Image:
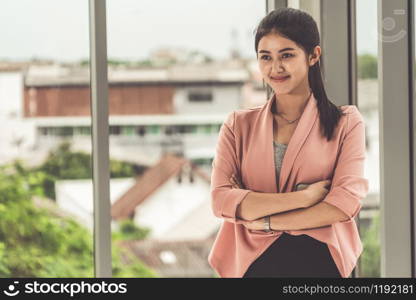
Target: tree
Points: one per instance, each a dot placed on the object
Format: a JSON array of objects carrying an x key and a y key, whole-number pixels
[
  {"x": 36, "y": 243},
  {"x": 370, "y": 259},
  {"x": 62, "y": 163},
  {"x": 367, "y": 66}
]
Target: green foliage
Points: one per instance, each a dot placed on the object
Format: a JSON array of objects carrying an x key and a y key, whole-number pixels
[
  {"x": 370, "y": 258},
  {"x": 136, "y": 269},
  {"x": 84, "y": 62},
  {"x": 36, "y": 243},
  {"x": 62, "y": 163},
  {"x": 129, "y": 231},
  {"x": 143, "y": 63},
  {"x": 123, "y": 63},
  {"x": 367, "y": 66},
  {"x": 110, "y": 62}
]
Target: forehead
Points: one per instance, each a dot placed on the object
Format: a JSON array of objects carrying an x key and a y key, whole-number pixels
[{"x": 275, "y": 42}]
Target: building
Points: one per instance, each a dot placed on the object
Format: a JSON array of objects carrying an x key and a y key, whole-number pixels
[
  {"x": 152, "y": 111},
  {"x": 171, "y": 198},
  {"x": 187, "y": 258}
]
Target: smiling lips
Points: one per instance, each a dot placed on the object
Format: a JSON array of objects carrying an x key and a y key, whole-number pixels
[{"x": 279, "y": 78}]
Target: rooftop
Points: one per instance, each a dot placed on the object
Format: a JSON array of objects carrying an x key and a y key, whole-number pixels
[{"x": 52, "y": 75}]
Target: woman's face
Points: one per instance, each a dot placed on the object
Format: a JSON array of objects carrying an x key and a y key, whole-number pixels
[{"x": 279, "y": 57}]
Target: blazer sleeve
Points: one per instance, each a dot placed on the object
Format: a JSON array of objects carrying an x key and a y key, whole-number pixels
[
  {"x": 348, "y": 185},
  {"x": 224, "y": 198}
]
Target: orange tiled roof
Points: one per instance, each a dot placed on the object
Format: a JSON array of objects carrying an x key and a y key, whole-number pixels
[{"x": 154, "y": 177}]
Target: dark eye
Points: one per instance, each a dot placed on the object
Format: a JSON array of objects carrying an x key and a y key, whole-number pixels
[
  {"x": 265, "y": 57},
  {"x": 289, "y": 55}
]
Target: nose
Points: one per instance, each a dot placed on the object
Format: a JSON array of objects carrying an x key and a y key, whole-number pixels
[{"x": 277, "y": 66}]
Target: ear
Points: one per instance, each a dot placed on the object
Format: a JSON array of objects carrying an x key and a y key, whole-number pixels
[{"x": 314, "y": 58}]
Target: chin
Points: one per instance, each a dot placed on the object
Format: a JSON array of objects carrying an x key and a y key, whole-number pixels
[{"x": 281, "y": 91}]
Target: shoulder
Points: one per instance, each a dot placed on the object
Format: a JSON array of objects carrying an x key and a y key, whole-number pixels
[
  {"x": 350, "y": 109},
  {"x": 239, "y": 116},
  {"x": 352, "y": 116},
  {"x": 353, "y": 113},
  {"x": 243, "y": 115}
]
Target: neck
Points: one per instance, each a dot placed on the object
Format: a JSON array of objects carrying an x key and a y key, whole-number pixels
[{"x": 291, "y": 105}]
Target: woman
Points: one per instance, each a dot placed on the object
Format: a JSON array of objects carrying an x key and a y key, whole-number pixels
[{"x": 271, "y": 178}]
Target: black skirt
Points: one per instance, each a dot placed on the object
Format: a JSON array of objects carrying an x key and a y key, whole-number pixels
[{"x": 294, "y": 256}]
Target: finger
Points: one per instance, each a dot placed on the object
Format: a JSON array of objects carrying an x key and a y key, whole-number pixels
[{"x": 328, "y": 184}]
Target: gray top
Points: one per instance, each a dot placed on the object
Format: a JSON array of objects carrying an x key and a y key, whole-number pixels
[{"x": 279, "y": 152}]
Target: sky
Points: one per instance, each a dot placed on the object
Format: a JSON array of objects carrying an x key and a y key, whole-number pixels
[
  {"x": 366, "y": 11},
  {"x": 58, "y": 29}
]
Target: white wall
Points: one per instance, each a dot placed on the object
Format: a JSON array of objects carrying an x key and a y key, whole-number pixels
[
  {"x": 76, "y": 196},
  {"x": 170, "y": 204},
  {"x": 162, "y": 211},
  {"x": 225, "y": 99},
  {"x": 13, "y": 126}
]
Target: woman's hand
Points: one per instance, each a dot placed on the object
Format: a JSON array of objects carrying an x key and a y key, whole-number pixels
[
  {"x": 316, "y": 192},
  {"x": 257, "y": 224},
  {"x": 236, "y": 183}
]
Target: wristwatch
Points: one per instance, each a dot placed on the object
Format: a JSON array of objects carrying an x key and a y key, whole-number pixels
[{"x": 266, "y": 224}]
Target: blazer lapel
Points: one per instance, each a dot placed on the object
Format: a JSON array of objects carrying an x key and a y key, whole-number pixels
[
  {"x": 261, "y": 148},
  {"x": 260, "y": 163},
  {"x": 305, "y": 124}
]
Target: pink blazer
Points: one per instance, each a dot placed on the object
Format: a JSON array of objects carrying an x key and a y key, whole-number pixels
[{"x": 245, "y": 147}]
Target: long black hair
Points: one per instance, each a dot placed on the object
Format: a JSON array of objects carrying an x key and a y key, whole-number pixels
[{"x": 301, "y": 28}]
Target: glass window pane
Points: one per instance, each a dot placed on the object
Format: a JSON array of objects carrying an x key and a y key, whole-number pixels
[
  {"x": 177, "y": 69},
  {"x": 368, "y": 84},
  {"x": 45, "y": 155}
]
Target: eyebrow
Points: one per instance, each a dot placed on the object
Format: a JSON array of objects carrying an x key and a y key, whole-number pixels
[{"x": 281, "y": 50}]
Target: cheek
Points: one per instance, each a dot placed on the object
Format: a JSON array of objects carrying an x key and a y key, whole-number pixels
[
  {"x": 298, "y": 73},
  {"x": 299, "y": 69},
  {"x": 264, "y": 70},
  {"x": 262, "y": 67}
]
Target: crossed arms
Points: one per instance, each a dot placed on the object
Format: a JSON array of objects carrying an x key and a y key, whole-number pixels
[{"x": 288, "y": 211}]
